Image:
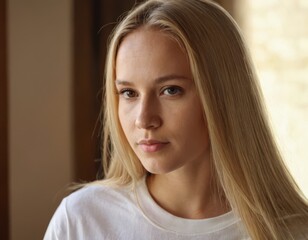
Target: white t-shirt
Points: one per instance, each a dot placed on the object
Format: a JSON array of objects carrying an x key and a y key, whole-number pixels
[{"x": 104, "y": 212}]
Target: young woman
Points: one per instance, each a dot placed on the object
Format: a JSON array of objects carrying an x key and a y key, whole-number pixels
[{"x": 188, "y": 153}]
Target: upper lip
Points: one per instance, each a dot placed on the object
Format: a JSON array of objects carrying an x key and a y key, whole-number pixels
[{"x": 150, "y": 142}]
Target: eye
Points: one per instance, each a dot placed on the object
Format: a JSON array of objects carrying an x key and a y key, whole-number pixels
[
  {"x": 128, "y": 93},
  {"x": 172, "y": 91}
]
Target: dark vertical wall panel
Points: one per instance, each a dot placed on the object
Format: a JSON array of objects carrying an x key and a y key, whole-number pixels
[
  {"x": 4, "y": 203},
  {"x": 89, "y": 54},
  {"x": 85, "y": 89}
]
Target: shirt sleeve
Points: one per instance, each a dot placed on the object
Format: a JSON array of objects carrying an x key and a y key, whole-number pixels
[{"x": 58, "y": 228}]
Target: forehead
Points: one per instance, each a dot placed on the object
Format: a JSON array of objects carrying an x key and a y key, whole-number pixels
[
  {"x": 148, "y": 36},
  {"x": 149, "y": 50}
]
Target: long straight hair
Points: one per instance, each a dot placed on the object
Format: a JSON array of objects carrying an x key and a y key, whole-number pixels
[{"x": 248, "y": 166}]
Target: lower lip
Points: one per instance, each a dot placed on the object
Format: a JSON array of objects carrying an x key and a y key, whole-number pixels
[{"x": 152, "y": 147}]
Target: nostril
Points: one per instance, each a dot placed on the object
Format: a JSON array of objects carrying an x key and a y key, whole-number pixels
[{"x": 148, "y": 122}]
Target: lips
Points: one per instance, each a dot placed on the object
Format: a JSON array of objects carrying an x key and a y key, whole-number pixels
[{"x": 151, "y": 145}]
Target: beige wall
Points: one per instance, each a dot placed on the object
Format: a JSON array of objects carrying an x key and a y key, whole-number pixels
[{"x": 39, "y": 51}]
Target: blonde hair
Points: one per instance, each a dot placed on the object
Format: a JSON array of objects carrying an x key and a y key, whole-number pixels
[{"x": 248, "y": 166}]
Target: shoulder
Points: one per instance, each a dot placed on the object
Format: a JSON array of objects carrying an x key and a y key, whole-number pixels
[
  {"x": 98, "y": 196},
  {"x": 94, "y": 209},
  {"x": 98, "y": 190}
]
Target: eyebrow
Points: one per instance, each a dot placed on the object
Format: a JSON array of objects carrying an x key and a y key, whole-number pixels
[{"x": 156, "y": 80}]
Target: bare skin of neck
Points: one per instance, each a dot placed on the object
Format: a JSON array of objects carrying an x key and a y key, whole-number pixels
[{"x": 187, "y": 193}]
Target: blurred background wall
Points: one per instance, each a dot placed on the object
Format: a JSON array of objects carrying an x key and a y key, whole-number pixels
[
  {"x": 277, "y": 35},
  {"x": 52, "y": 69},
  {"x": 39, "y": 40}
]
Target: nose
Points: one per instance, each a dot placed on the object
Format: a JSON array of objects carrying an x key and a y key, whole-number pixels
[{"x": 148, "y": 116}]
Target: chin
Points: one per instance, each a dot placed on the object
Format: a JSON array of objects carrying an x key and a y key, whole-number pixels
[{"x": 157, "y": 169}]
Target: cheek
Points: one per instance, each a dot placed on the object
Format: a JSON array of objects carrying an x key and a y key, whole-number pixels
[
  {"x": 191, "y": 115},
  {"x": 126, "y": 119},
  {"x": 194, "y": 128},
  {"x": 193, "y": 124}
]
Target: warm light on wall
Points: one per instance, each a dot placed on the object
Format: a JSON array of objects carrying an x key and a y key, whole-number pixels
[{"x": 278, "y": 38}]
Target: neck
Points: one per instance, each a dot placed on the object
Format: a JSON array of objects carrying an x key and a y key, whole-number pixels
[{"x": 192, "y": 196}]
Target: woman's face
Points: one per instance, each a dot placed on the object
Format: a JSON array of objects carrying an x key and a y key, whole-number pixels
[{"x": 159, "y": 110}]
